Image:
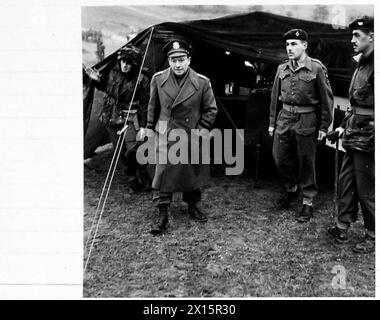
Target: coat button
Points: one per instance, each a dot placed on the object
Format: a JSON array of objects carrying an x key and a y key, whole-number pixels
[{"x": 187, "y": 119}]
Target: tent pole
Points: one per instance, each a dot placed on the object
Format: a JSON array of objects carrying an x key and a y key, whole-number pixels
[{"x": 154, "y": 59}]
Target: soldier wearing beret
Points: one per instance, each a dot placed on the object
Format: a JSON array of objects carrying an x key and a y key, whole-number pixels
[
  {"x": 300, "y": 114},
  {"x": 118, "y": 85},
  {"x": 181, "y": 99},
  {"x": 357, "y": 175}
]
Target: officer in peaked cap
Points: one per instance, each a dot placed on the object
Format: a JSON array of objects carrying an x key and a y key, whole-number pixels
[
  {"x": 357, "y": 174},
  {"x": 175, "y": 48},
  {"x": 180, "y": 99},
  {"x": 300, "y": 114}
]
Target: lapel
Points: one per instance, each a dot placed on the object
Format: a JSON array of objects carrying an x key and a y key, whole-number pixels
[
  {"x": 168, "y": 85},
  {"x": 188, "y": 89},
  {"x": 306, "y": 64}
]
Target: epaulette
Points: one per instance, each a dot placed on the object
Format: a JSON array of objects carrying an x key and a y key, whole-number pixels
[
  {"x": 158, "y": 73},
  {"x": 319, "y": 62},
  {"x": 324, "y": 68},
  {"x": 282, "y": 65},
  {"x": 203, "y": 77}
]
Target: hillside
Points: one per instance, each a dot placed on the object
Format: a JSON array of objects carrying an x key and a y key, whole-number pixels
[
  {"x": 116, "y": 18},
  {"x": 118, "y": 22}
]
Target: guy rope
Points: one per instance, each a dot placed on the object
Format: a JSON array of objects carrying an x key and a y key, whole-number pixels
[{"x": 111, "y": 171}]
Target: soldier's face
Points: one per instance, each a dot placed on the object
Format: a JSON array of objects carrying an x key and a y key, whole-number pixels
[
  {"x": 125, "y": 66},
  {"x": 180, "y": 64},
  {"x": 361, "y": 41},
  {"x": 295, "y": 48}
]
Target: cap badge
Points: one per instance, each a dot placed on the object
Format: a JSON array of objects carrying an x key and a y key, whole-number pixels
[
  {"x": 175, "y": 45},
  {"x": 297, "y": 34},
  {"x": 360, "y": 23}
]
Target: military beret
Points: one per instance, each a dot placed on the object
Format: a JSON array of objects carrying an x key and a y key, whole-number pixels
[
  {"x": 364, "y": 23},
  {"x": 295, "y": 34},
  {"x": 177, "y": 48},
  {"x": 130, "y": 54}
]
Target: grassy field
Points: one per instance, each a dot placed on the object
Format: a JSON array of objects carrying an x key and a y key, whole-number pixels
[{"x": 246, "y": 249}]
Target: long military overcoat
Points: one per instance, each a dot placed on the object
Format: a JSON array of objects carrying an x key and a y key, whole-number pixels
[{"x": 191, "y": 106}]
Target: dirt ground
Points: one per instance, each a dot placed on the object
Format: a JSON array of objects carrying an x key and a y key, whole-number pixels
[{"x": 246, "y": 249}]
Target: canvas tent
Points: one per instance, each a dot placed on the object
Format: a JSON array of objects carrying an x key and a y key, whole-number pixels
[{"x": 240, "y": 54}]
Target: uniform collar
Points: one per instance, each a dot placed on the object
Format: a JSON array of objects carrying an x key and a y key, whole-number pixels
[
  {"x": 191, "y": 75},
  {"x": 180, "y": 80},
  {"x": 366, "y": 60},
  {"x": 307, "y": 64}
]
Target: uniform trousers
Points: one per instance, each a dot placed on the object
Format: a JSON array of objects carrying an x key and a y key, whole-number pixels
[
  {"x": 357, "y": 185},
  {"x": 165, "y": 198},
  {"x": 128, "y": 152},
  {"x": 294, "y": 149}
]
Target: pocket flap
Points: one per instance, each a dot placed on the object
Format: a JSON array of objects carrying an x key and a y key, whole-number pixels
[
  {"x": 284, "y": 74},
  {"x": 307, "y": 77}
]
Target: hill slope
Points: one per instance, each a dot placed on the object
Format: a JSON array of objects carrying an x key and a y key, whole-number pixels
[{"x": 117, "y": 22}]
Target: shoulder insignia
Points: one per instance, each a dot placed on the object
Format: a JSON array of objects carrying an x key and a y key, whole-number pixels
[
  {"x": 205, "y": 78},
  {"x": 324, "y": 69}
]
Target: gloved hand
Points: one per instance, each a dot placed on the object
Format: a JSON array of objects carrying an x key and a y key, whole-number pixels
[
  {"x": 93, "y": 73},
  {"x": 333, "y": 136},
  {"x": 144, "y": 132}
]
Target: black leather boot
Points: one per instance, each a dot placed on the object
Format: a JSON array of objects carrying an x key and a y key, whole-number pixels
[
  {"x": 305, "y": 214},
  {"x": 161, "y": 222},
  {"x": 339, "y": 235},
  {"x": 196, "y": 213},
  {"x": 285, "y": 200},
  {"x": 144, "y": 179},
  {"x": 134, "y": 185}
]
